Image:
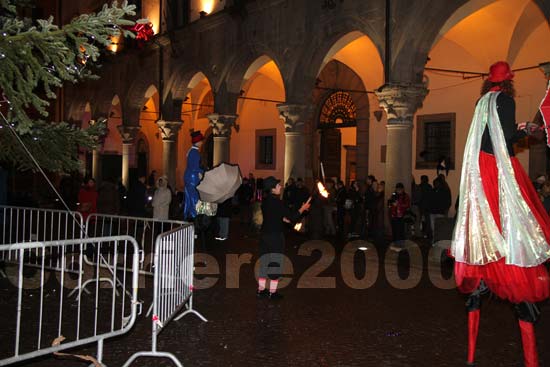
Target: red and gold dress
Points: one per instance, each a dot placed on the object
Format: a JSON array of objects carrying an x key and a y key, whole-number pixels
[{"x": 502, "y": 231}]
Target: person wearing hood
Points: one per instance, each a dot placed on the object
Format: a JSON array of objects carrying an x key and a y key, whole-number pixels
[{"x": 162, "y": 199}]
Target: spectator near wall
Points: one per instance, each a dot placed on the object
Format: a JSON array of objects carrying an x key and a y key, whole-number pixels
[
  {"x": 398, "y": 204},
  {"x": 440, "y": 202}
]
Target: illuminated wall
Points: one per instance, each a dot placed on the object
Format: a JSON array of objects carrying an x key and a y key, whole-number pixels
[
  {"x": 256, "y": 115},
  {"x": 149, "y": 128},
  {"x": 471, "y": 45},
  {"x": 150, "y": 9},
  {"x": 208, "y": 6},
  {"x": 266, "y": 83}
]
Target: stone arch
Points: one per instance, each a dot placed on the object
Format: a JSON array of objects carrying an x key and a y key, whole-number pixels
[
  {"x": 191, "y": 82},
  {"x": 135, "y": 98},
  {"x": 115, "y": 117},
  {"x": 178, "y": 86},
  {"x": 337, "y": 76},
  {"x": 312, "y": 57},
  {"x": 104, "y": 102},
  {"x": 416, "y": 27},
  {"x": 75, "y": 109},
  {"x": 254, "y": 68},
  {"x": 529, "y": 19},
  {"x": 231, "y": 81},
  {"x": 262, "y": 88}
]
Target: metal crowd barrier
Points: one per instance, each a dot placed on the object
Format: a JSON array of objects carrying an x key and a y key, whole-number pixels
[
  {"x": 173, "y": 285},
  {"x": 19, "y": 225},
  {"x": 38, "y": 313},
  {"x": 144, "y": 230}
]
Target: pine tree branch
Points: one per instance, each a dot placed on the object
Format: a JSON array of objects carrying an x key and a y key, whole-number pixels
[{"x": 35, "y": 59}]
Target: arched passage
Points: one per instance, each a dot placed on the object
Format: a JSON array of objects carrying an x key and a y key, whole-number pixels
[
  {"x": 351, "y": 68},
  {"x": 259, "y": 145},
  {"x": 149, "y": 158},
  {"x": 478, "y": 34}
]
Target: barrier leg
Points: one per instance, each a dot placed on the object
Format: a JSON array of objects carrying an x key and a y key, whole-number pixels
[
  {"x": 190, "y": 310},
  {"x": 169, "y": 356}
]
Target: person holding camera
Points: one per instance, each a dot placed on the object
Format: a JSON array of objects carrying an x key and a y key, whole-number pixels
[{"x": 398, "y": 204}]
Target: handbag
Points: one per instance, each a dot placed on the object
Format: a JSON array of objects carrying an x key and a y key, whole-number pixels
[{"x": 206, "y": 208}]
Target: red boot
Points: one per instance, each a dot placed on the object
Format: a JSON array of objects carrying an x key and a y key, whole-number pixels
[{"x": 529, "y": 343}]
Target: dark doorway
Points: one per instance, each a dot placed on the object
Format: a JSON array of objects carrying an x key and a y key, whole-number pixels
[
  {"x": 331, "y": 150},
  {"x": 142, "y": 158},
  {"x": 111, "y": 166}
]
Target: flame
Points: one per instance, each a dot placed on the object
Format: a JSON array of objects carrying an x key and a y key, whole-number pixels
[
  {"x": 298, "y": 227},
  {"x": 322, "y": 190},
  {"x": 208, "y": 6}
]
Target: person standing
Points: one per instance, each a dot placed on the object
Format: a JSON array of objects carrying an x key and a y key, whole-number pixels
[
  {"x": 272, "y": 240},
  {"x": 162, "y": 199},
  {"x": 501, "y": 237},
  {"x": 87, "y": 199},
  {"x": 151, "y": 180},
  {"x": 425, "y": 191},
  {"x": 223, "y": 215},
  {"x": 192, "y": 176},
  {"x": 399, "y": 203},
  {"x": 137, "y": 198},
  {"x": 439, "y": 203},
  {"x": 245, "y": 195},
  {"x": 107, "y": 199},
  {"x": 379, "y": 217},
  {"x": 341, "y": 194}
]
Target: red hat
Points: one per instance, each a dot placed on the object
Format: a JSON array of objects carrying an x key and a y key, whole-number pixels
[
  {"x": 196, "y": 136},
  {"x": 500, "y": 71}
]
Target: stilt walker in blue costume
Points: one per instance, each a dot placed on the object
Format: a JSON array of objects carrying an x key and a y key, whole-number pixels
[{"x": 192, "y": 176}]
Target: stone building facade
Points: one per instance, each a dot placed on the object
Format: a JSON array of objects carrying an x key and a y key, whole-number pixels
[{"x": 383, "y": 87}]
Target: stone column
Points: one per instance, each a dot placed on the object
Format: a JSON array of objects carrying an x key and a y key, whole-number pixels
[
  {"x": 400, "y": 101},
  {"x": 128, "y": 134},
  {"x": 221, "y": 128},
  {"x": 294, "y": 117},
  {"x": 169, "y": 131},
  {"x": 96, "y": 164},
  {"x": 96, "y": 153},
  {"x": 545, "y": 67}
]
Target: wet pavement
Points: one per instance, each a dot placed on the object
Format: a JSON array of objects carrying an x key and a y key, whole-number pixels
[{"x": 334, "y": 313}]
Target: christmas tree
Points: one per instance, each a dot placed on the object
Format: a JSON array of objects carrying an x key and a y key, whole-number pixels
[{"x": 36, "y": 57}]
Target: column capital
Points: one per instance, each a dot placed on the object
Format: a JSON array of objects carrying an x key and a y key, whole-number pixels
[
  {"x": 169, "y": 129},
  {"x": 545, "y": 67},
  {"x": 294, "y": 116},
  {"x": 401, "y": 101},
  {"x": 128, "y": 133},
  {"x": 222, "y": 124}
]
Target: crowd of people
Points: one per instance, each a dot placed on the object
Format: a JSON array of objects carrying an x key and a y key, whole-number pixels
[
  {"x": 358, "y": 210},
  {"x": 146, "y": 196}
]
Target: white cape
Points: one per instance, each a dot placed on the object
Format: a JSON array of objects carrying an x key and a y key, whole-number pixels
[{"x": 477, "y": 239}]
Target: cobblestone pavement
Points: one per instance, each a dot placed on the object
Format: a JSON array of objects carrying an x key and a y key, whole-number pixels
[{"x": 330, "y": 324}]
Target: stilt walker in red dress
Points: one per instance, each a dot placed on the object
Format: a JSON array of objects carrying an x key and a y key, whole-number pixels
[{"x": 502, "y": 234}]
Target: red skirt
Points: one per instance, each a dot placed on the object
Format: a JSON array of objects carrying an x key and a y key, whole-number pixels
[{"x": 514, "y": 283}]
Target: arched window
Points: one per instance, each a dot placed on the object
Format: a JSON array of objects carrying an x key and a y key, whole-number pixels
[{"x": 338, "y": 110}]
